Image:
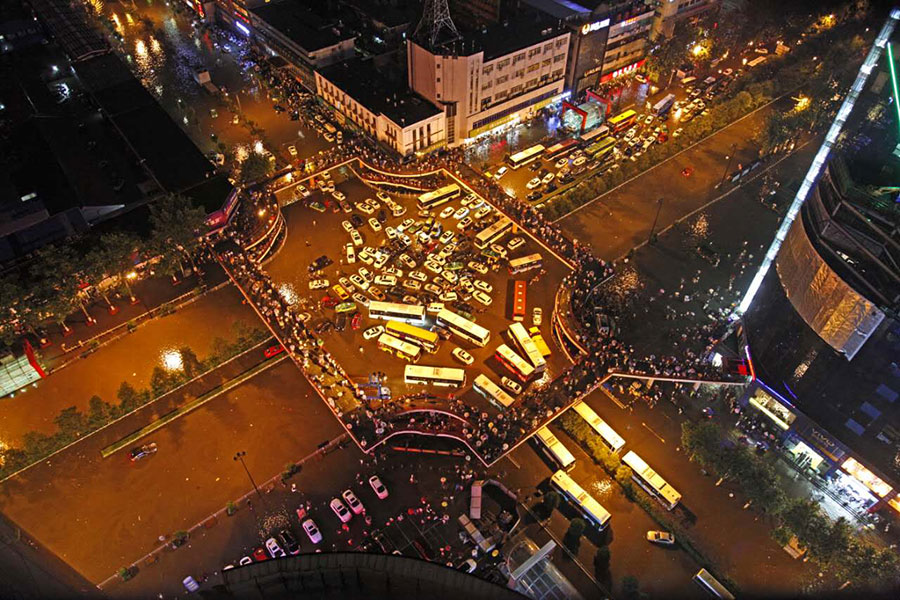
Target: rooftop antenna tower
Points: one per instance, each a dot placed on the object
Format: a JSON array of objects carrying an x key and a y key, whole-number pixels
[{"x": 436, "y": 24}]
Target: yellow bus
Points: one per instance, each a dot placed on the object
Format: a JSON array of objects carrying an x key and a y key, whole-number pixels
[
  {"x": 428, "y": 340},
  {"x": 399, "y": 348},
  {"x": 622, "y": 121}
]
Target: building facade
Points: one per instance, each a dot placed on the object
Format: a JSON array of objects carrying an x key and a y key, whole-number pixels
[
  {"x": 492, "y": 77},
  {"x": 669, "y": 13},
  {"x": 387, "y": 111}
]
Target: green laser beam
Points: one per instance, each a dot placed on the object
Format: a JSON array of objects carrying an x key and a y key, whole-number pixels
[{"x": 894, "y": 82}]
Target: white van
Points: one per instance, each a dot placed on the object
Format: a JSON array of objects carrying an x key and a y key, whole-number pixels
[
  {"x": 351, "y": 254},
  {"x": 434, "y": 308}
]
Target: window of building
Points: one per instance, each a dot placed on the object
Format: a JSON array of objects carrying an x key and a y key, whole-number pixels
[
  {"x": 487, "y": 70},
  {"x": 487, "y": 85},
  {"x": 546, "y": 62},
  {"x": 531, "y": 83},
  {"x": 519, "y": 74},
  {"x": 534, "y": 67},
  {"x": 519, "y": 57},
  {"x": 560, "y": 42},
  {"x": 500, "y": 96},
  {"x": 503, "y": 63},
  {"x": 548, "y": 47},
  {"x": 516, "y": 89},
  {"x": 502, "y": 79},
  {"x": 559, "y": 58}
]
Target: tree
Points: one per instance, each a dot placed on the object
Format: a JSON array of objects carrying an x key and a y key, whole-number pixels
[
  {"x": 71, "y": 423},
  {"x": 98, "y": 413},
  {"x": 177, "y": 224},
  {"x": 11, "y": 294},
  {"x": 573, "y": 534},
  {"x": 550, "y": 503},
  {"x": 56, "y": 273},
  {"x": 631, "y": 589},
  {"x": 601, "y": 560},
  {"x": 255, "y": 167},
  {"x": 119, "y": 250}
]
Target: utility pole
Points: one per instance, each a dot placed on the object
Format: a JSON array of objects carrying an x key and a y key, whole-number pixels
[
  {"x": 655, "y": 219},
  {"x": 240, "y": 457},
  {"x": 727, "y": 166}
]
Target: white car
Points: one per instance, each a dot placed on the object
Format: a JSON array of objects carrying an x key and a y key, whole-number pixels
[
  {"x": 460, "y": 213},
  {"x": 407, "y": 241},
  {"x": 449, "y": 296},
  {"x": 406, "y": 224},
  {"x": 677, "y": 132},
  {"x": 360, "y": 283},
  {"x": 482, "y": 297},
  {"x": 433, "y": 267},
  {"x": 406, "y": 261},
  {"x": 511, "y": 385},
  {"x": 373, "y": 203},
  {"x": 353, "y": 502},
  {"x": 446, "y": 237},
  {"x": 302, "y": 191},
  {"x": 418, "y": 276},
  {"x": 374, "y": 224},
  {"x": 366, "y": 274},
  {"x": 373, "y": 332},
  {"x": 318, "y": 284},
  {"x": 245, "y": 560},
  {"x": 533, "y": 183},
  {"x": 309, "y": 526},
  {"x": 450, "y": 276},
  {"x": 398, "y": 211},
  {"x": 500, "y": 173},
  {"x": 380, "y": 260},
  {"x": 348, "y": 226},
  {"x": 365, "y": 208},
  {"x": 345, "y": 282},
  {"x": 357, "y": 239},
  {"x": 477, "y": 267},
  {"x": 378, "y": 487},
  {"x": 383, "y": 196},
  {"x": 499, "y": 250},
  {"x": 398, "y": 273},
  {"x": 648, "y": 120},
  {"x": 482, "y": 212},
  {"x": 351, "y": 254},
  {"x": 412, "y": 285},
  {"x": 464, "y": 223},
  {"x": 537, "y": 316},
  {"x": 484, "y": 286},
  {"x": 562, "y": 162},
  {"x": 391, "y": 232},
  {"x": 340, "y": 510},
  {"x": 515, "y": 243},
  {"x": 366, "y": 256},
  {"x": 447, "y": 212},
  {"x": 360, "y": 299},
  {"x": 463, "y": 356},
  {"x": 386, "y": 280},
  {"x": 274, "y": 549},
  {"x": 579, "y": 161},
  {"x": 338, "y": 195},
  {"x": 432, "y": 287},
  {"x": 630, "y": 134},
  {"x": 661, "y": 537}
]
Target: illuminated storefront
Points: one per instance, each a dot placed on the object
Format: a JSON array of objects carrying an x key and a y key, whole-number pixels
[
  {"x": 772, "y": 407},
  {"x": 623, "y": 71}
]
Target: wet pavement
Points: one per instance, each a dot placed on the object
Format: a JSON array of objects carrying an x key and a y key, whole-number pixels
[{"x": 131, "y": 358}]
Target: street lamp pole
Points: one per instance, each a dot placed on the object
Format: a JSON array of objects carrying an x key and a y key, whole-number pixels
[
  {"x": 240, "y": 457},
  {"x": 655, "y": 219},
  {"x": 727, "y": 166}
]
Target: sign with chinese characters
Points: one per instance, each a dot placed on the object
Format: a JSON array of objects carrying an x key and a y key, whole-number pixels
[{"x": 595, "y": 26}]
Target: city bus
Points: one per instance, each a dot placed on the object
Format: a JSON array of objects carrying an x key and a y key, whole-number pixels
[
  {"x": 396, "y": 312},
  {"x": 662, "y": 108},
  {"x": 538, "y": 340},
  {"x": 463, "y": 328},
  {"x": 561, "y": 148},
  {"x": 601, "y": 148},
  {"x": 439, "y": 196},
  {"x": 525, "y": 345},
  {"x": 595, "y": 134},
  {"x": 428, "y": 340},
  {"x": 492, "y": 233},
  {"x": 584, "y": 502},
  {"x": 554, "y": 449},
  {"x": 399, "y": 348},
  {"x": 525, "y": 263},
  {"x": 704, "y": 579},
  {"x": 650, "y": 480},
  {"x": 519, "y": 367},
  {"x": 440, "y": 376},
  {"x": 492, "y": 392},
  {"x": 622, "y": 121},
  {"x": 525, "y": 156},
  {"x": 519, "y": 296},
  {"x": 612, "y": 439}
]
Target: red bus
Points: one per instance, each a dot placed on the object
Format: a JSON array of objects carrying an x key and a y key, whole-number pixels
[
  {"x": 561, "y": 148},
  {"x": 518, "y": 312}
]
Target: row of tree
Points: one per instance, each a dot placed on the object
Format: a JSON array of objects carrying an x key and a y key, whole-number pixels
[
  {"x": 831, "y": 543},
  {"x": 64, "y": 278}
]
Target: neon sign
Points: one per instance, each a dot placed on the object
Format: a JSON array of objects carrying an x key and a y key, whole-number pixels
[{"x": 595, "y": 26}]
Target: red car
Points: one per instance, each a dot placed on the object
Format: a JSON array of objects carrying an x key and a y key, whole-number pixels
[
  {"x": 273, "y": 351},
  {"x": 354, "y": 323},
  {"x": 260, "y": 554},
  {"x": 329, "y": 302},
  {"x": 687, "y": 171}
]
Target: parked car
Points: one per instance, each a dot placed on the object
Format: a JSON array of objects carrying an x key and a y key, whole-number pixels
[
  {"x": 463, "y": 356},
  {"x": 143, "y": 451},
  {"x": 309, "y": 526},
  {"x": 537, "y": 316},
  {"x": 353, "y": 502},
  {"x": 378, "y": 487},
  {"x": 511, "y": 385},
  {"x": 340, "y": 510},
  {"x": 289, "y": 542},
  {"x": 661, "y": 537}
]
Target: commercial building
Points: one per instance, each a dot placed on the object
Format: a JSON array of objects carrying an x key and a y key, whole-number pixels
[
  {"x": 608, "y": 39},
  {"x": 824, "y": 338},
  {"x": 382, "y": 106},
  {"x": 475, "y": 13},
  {"x": 306, "y": 36},
  {"x": 669, "y": 13},
  {"x": 492, "y": 76}
]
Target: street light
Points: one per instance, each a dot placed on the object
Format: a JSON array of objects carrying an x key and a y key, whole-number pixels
[
  {"x": 240, "y": 457},
  {"x": 655, "y": 219}
]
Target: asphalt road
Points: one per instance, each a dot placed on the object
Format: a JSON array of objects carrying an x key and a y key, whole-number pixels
[
  {"x": 101, "y": 514},
  {"x": 131, "y": 358},
  {"x": 622, "y": 218}
]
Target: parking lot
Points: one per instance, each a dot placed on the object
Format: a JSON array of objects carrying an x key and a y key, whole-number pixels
[{"x": 409, "y": 275}]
